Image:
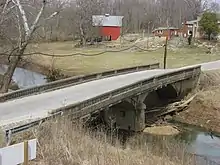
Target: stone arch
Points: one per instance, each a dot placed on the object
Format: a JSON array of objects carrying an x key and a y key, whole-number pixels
[
  {"x": 161, "y": 96},
  {"x": 185, "y": 87}
]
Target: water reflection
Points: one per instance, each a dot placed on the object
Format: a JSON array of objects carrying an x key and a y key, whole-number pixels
[
  {"x": 25, "y": 78},
  {"x": 204, "y": 145}
]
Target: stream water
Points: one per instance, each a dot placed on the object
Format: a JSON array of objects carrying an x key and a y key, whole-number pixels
[
  {"x": 205, "y": 145},
  {"x": 25, "y": 78}
]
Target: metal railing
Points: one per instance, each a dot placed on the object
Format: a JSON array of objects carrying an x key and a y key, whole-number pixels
[
  {"x": 110, "y": 98},
  {"x": 73, "y": 81}
]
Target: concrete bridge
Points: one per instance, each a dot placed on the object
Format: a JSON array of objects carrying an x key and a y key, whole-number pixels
[{"x": 122, "y": 98}]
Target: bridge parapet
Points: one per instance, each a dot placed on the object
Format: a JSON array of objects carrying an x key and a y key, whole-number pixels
[{"x": 73, "y": 81}]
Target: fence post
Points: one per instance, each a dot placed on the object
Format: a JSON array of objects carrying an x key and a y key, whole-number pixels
[{"x": 25, "y": 152}]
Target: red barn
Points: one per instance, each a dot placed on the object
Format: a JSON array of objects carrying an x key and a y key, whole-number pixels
[{"x": 110, "y": 26}]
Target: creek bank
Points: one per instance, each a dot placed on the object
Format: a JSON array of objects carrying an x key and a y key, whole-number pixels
[
  {"x": 203, "y": 111},
  {"x": 13, "y": 86}
]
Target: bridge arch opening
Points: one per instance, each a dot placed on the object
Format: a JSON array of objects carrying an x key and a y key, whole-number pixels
[
  {"x": 161, "y": 97},
  {"x": 167, "y": 93}
]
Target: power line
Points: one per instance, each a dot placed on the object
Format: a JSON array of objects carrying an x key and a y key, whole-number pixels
[{"x": 79, "y": 54}]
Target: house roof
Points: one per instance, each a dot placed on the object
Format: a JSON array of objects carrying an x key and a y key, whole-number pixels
[
  {"x": 107, "y": 20},
  {"x": 165, "y": 28},
  {"x": 191, "y": 22}
]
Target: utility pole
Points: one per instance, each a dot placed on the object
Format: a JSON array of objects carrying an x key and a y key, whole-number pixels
[
  {"x": 148, "y": 34},
  {"x": 165, "y": 47},
  {"x": 165, "y": 53}
]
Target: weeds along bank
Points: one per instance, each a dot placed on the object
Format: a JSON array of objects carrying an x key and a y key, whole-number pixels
[
  {"x": 204, "y": 110},
  {"x": 62, "y": 143}
]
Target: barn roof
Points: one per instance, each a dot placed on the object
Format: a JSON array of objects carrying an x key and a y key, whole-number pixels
[
  {"x": 165, "y": 28},
  {"x": 107, "y": 20},
  {"x": 191, "y": 22}
]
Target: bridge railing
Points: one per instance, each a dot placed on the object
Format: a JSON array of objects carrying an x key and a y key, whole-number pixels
[
  {"x": 73, "y": 81},
  {"x": 108, "y": 99}
]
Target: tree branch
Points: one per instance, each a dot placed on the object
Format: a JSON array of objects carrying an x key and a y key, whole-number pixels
[
  {"x": 33, "y": 27},
  {"x": 52, "y": 15},
  {"x": 24, "y": 17},
  {"x": 5, "y": 11},
  {"x": 5, "y": 6}
]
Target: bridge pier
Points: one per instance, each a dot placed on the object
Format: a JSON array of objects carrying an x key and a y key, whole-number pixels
[
  {"x": 128, "y": 115},
  {"x": 140, "y": 117}
]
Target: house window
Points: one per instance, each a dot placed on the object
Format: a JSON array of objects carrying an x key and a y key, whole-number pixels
[{"x": 160, "y": 31}]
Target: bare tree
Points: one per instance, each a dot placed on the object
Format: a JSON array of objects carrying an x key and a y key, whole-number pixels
[
  {"x": 24, "y": 28},
  {"x": 85, "y": 10}
]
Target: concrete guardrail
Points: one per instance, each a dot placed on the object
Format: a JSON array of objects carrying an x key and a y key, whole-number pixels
[
  {"x": 92, "y": 105},
  {"x": 73, "y": 81}
]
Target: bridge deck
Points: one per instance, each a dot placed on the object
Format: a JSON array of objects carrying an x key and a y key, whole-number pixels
[{"x": 39, "y": 105}]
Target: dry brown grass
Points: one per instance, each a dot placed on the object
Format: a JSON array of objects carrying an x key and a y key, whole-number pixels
[
  {"x": 209, "y": 79},
  {"x": 63, "y": 143},
  {"x": 204, "y": 110}
]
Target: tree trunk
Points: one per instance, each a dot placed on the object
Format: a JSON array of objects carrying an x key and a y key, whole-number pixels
[
  {"x": 83, "y": 38},
  {"x": 5, "y": 83},
  {"x": 209, "y": 35}
]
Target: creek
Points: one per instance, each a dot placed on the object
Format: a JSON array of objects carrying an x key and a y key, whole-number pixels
[
  {"x": 25, "y": 78},
  {"x": 204, "y": 145}
]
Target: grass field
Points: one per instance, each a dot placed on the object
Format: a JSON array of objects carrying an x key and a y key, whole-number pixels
[{"x": 77, "y": 65}]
